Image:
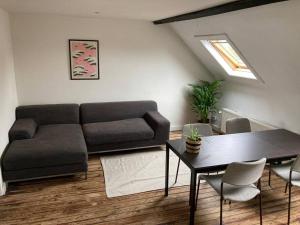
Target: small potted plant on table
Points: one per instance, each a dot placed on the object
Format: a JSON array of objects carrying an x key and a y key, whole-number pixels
[{"x": 193, "y": 141}]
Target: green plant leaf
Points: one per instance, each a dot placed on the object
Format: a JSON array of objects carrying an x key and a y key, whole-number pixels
[{"x": 205, "y": 96}]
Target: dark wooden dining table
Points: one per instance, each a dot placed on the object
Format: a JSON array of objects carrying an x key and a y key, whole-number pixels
[{"x": 219, "y": 151}]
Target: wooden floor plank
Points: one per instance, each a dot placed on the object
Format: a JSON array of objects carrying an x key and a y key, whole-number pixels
[{"x": 73, "y": 200}]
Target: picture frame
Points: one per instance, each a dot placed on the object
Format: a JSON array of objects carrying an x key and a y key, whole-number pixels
[{"x": 84, "y": 59}]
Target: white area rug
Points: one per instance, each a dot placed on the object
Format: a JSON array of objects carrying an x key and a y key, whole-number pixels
[{"x": 131, "y": 173}]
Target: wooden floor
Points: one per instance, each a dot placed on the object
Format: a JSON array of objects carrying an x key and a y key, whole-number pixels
[{"x": 73, "y": 200}]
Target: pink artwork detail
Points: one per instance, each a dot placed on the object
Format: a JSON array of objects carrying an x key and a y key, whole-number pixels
[{"x": 84, "y": 59}]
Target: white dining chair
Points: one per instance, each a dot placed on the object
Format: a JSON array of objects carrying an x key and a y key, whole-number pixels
[
  {"x": 202, "y": 128},
  {"x": 240, "y": 182},
  {"x": 290, "y": 173}
]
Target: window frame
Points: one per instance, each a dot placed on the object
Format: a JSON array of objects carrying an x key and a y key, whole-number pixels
[
  {"x": 235, "y": 65},
  {"x": 238, "y": 73}
]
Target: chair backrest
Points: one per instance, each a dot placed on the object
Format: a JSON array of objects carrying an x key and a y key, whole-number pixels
[
  {"x": 296, "y": 165},
  {"x": 238, "y": 125},
  {"x": 244, "y": 173},
  {"x": 203, "y": 129}
]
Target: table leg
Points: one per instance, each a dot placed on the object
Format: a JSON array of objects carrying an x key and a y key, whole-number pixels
[
  {"x": 192, "y": 197},
  {"x": 167, "y": 171}
]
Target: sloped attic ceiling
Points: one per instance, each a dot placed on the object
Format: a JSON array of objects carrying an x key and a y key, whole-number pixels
[{"x": 267, "y": 36}]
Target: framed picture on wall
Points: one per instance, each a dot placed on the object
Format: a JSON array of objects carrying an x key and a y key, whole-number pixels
[{"x": 84, "y": 59}]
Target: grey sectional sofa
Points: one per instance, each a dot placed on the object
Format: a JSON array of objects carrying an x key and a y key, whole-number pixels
[{"x": 53, "y": 140}]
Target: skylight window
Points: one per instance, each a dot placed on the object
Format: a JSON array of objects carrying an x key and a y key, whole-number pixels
[{"x": 228, "y": 57}]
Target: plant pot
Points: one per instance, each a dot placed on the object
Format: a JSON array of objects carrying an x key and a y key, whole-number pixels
[{"x": 193, "y": 146}]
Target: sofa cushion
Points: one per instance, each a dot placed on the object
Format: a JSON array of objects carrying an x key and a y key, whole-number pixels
[
  {"x": 50, "y": 114},
  {"x": 117, "y": 131},
  {"x": 112, "y": 111},
  {"x": 22, "y": 129},
  {"x": 53, "y": 145}
]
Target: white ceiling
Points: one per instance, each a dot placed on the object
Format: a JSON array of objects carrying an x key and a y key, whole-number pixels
[{"x": 130, "y": 9}]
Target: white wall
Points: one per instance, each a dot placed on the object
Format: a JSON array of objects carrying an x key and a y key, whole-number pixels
[
  {"x": 8, "y": 99},
  {"x": 268, "y": 37},
  {"x": 138, "y": 60}
]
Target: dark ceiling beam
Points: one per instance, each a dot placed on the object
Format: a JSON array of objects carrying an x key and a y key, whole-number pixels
[{"x": 219, "y": 9}]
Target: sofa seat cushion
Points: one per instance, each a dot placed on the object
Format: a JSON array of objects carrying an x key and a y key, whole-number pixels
[
  {"x": 117, "y": 131},
  {"x": 53, "y": 145}
]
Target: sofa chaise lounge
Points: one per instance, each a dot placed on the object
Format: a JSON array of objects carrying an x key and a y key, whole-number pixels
[{"x": 45, "y": 140}]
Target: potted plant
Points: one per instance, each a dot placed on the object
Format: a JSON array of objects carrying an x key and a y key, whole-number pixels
[
  {"x": 205, "y": 96},
  {"x": 193, "y": 141}
]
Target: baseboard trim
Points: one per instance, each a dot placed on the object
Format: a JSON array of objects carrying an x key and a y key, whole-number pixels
[{"x": 176, "y": 127}]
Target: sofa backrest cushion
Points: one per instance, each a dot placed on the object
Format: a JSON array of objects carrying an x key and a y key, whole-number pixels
[
  {"x": 112, "y": 111},
  {"x": 50, "y": 114}
]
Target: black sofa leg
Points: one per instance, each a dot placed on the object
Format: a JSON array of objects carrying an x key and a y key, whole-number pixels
[{"x": 85, "y": 176}]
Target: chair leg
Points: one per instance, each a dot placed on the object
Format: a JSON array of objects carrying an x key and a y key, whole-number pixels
[
  {"x": 260, "y": 201},
  {"x": 260, "y": 209},
  {"x": 289, "y": 207},
  {"x": 177, "y": 171},
  {"x": 270, "y": 176},
  {"x": 221, "y": 204},
  {"x": 221, "y": 210},
  {"x": 286, "y": 187},
  {"x": 199, "y": 179}
]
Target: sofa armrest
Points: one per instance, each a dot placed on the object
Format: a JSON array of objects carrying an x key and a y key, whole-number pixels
[
  {"x": 159, "y": 124},
  {"x": 22, "y": 129}
]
